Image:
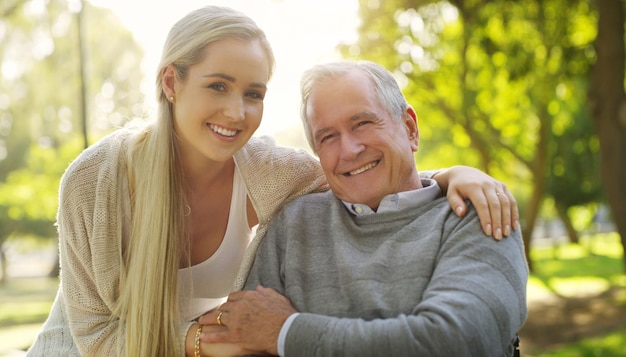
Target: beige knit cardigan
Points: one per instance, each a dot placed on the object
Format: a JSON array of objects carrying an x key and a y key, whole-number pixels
[{"x": 91, "y": 227}]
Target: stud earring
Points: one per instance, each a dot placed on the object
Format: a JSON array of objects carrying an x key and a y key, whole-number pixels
[{"x": 171, "y": 99}]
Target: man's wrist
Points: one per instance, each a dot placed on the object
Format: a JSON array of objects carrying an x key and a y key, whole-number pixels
[{"x": 282, "y": 335}]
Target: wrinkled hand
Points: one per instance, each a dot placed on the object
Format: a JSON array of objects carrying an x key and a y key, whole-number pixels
[
  {"x": 253, "y": 319},
  {"x": 495, "y": 204}
]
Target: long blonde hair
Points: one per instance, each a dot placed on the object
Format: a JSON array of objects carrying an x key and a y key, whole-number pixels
[{"x": 158, "y": 242}]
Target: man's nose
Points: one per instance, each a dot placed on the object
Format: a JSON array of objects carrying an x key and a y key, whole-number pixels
[{"x": 351, "y": 147}]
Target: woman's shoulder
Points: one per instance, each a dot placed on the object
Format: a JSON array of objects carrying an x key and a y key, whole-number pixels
[
  {"x": 259, "y": 146},
  {"x": 264, "y": 150},
  {"x": 275, "y": 174}
]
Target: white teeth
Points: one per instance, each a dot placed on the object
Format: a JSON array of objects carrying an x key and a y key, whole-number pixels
[
  {"x": 222, "y": 131},
  {"x": 364, "y": 168}
]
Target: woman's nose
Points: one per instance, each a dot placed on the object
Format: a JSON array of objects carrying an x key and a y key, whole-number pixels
[{"x": 234, "y": 108}]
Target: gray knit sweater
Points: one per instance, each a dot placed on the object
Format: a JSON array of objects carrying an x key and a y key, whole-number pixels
[{"x": 419, "y": 282}]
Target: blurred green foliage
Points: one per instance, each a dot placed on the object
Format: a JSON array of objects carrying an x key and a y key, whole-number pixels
[
  {"x": 40, "y": 101},
  {"x": 499, "y": 85}
]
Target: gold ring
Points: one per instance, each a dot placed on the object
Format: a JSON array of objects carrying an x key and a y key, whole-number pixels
[{"x": 219, "y": 318}]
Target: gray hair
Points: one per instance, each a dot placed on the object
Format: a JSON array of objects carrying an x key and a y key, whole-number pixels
[{"x": 387, "y": 89}]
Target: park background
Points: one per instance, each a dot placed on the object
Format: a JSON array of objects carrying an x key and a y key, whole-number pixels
[{"x": 531, "y": 92}]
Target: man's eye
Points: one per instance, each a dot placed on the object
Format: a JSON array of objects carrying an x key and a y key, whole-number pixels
[{"x": 326, "y": 138}]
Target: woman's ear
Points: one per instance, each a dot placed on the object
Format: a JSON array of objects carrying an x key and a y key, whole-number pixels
[{"x": 168, "y": 81}]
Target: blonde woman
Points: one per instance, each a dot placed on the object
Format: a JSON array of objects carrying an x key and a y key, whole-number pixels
[{"x": 155, "y": 222}]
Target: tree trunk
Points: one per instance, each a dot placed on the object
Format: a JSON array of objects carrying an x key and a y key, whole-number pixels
[
  {"x": 567, "y": 222},
  {"x": 607, "y": 101},
  {"x": 530, "y": 218},
  {"x": 539, "y": 169},
  {"x": 4, "y": 266},
  {"x": 83, "y": 74}
]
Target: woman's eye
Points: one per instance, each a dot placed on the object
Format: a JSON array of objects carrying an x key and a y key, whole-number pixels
[
  {"x": 218, "y": 87},
  {"x": 256, "y": 95}
]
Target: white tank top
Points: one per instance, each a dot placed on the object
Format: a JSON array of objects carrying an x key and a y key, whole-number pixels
[{"x": 206, "y": 285}]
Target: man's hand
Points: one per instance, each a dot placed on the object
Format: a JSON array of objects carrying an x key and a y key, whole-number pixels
[{"x": 253, "y": 318}]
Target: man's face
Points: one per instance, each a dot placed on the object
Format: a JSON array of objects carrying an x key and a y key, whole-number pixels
[{"x": 365, "y": 153}]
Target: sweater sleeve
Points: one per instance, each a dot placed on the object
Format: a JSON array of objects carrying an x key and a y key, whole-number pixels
[
  {"x": 473, "y": 305},
  {"x": 92, "y": 209},
  {"x": 88, "y": 225}
]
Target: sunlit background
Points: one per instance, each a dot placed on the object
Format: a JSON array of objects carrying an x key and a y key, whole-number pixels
[
  {"x": 301, "y": 33},
  {"x": 505, "y": 86}
]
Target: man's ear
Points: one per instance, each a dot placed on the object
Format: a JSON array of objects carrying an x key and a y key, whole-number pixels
[
  {"x": 168, "y": 81},
  {"x": 410, "y": 122}
]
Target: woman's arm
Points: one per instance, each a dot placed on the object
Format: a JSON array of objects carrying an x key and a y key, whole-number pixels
[
  {"x": 496, "y": 206},
  {"x": 205, "y": 349},
  {"x": 88, "y": 249}
]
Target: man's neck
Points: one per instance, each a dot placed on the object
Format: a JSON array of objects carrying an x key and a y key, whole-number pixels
[{"x": 428, "y": 191}]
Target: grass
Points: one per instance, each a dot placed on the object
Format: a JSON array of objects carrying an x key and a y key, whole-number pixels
[
  {"x": 613, "y": 344},
  {"x": 585, "y": 270},
  {"x": 568, "y": 270},
  {"x": 575, "y": 270},
  {"x": 25, "y": 305}
]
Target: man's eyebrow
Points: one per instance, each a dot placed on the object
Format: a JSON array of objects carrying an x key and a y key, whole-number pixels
[
  {"x": 320, "y": 133},
  {"x": 357, "y": 116},
  {"x": 363, "y": 115},
  {"x": 233, "y": 79}
]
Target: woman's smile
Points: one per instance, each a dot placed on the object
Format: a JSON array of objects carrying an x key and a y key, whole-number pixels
[{"x": 222, "y": 130}]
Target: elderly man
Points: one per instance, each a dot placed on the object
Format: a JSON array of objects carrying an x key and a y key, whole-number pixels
[{"x": 380, "y": 266}]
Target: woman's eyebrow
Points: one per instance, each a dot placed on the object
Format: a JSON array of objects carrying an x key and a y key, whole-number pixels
[{"x": 233, "y": 79}]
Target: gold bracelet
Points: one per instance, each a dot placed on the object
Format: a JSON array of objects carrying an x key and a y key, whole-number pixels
[{"x": 196, "y": 342}]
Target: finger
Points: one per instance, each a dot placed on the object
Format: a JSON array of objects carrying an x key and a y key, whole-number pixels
[
  {"x": 495, "y": 210},
  {"x": 480, "y": 201},
  {"x": 456, "y": 202},
  {"x": 221, "y": 317},
  {"x": 210, "y": 318},
  {"x": 514, "y": 209},
  {"x": 217, "y": 336},
  {"x": 505, "y": 212},
  {"x": 485, "y": 220}
]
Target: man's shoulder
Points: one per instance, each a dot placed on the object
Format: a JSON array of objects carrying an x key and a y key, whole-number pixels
[
  {"x": 315, "y": 199},
  {"x": 309, "y": 207},
  {"x": 470, "y": 226}
]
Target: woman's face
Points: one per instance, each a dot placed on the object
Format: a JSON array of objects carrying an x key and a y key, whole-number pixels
[{"x": 220, "y": 104}]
